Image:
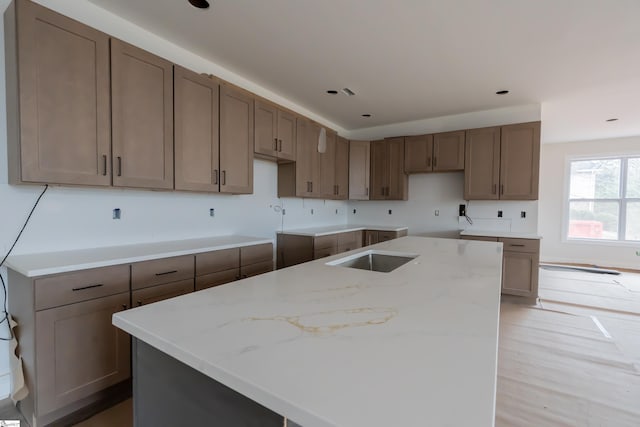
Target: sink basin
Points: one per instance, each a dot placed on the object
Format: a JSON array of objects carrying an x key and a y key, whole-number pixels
[{"x": 373, "y": 260}]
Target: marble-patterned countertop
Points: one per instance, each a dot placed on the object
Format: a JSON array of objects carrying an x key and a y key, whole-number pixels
[
  {"x": 41, "y": 264},
  {"x": 508, "y": 234},
  {"x": 333, "y": 229},
  {"x": 328, "y": 345}
]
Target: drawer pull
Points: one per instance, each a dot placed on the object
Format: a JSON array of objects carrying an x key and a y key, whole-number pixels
[
  {"x": 518, "y": 246},
  {"x": 139, "y": 303},
  {"x": 82, "y": 288},
  {"x": 166, "y": 272},
  {"x": 124, "y": 306}
]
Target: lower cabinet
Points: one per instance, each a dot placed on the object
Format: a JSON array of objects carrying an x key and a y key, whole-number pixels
[
  {"x": 295, "y": 249},
  {"x": 520, "y": 260},
  {"x": 227, "y": 265},
  {"x": 157, "y": 293}
]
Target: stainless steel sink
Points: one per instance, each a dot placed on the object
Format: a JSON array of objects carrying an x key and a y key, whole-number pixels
[{"x": 373, "y": 260}]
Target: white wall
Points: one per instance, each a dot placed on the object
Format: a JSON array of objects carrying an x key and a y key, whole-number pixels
[{"x": 553, "y": 191}]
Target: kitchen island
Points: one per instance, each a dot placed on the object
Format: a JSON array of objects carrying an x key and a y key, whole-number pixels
[{"x": 326, "y": 345}]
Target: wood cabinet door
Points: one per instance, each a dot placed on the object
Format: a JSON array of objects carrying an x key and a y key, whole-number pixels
[
  {"x": 379, "y": 170},
  {"x": 520, "y": 161},
  {"x": 79, "y": 351},
  {"x": 142, "y": 114},
  {"x": 418, "y": 153},
  {"x": 359, "y": 169},
  {"x": 448, "y": 151},
  {"x": 61, "y": 93},
  {"x": 236, "y": 140},
  {"x": 306, "y": 157},
  {"x": 370, "y": 237},
  {"x": 397, "y": 188},
  {"x": 196, "y": 131},
  {"x": 482, "y": 164},
  {"x": 328, "y": 168},
  {"x": 342, "y": 168},
  {"x": 286, "y": 135},
  {"x": 157, "y": 293},
  {"x": 520, "y": 273},
  {"x": 218, "y": 278},
  {"x": 266, "y": 129}
]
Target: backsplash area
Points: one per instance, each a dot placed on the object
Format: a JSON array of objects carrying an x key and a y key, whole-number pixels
[{"x": 432, "y": 209}]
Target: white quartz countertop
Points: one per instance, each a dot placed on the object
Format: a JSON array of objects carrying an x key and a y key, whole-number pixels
[
  {"x": 323, "y": 231},
  {"x": 508, "y": 234},
  {"x": 333, "y": 346},
  {"x": 41, "y": 264}
]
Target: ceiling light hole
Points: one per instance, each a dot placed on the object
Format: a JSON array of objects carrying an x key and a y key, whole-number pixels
[
  {"x": 200, "y": 4},
  {"x": 502, "y": 92},
  {"x": 612, "y": 120},
  {"x": 332, "y": 92},
  {"x": 348, "y": 91},
  {"x": 366, "y": 115}
]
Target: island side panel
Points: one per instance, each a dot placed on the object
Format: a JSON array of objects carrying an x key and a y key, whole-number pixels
[{"x": 168, "y": 392}]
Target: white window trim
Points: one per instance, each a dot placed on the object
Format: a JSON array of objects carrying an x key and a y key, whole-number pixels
[{"x": 566, "y": 193}]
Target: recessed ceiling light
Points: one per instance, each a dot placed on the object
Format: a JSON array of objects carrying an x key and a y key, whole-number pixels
[
  {"x": 348, "y": 91},
  {"x": 611, "y": 120},
  {"x": 200, "y": 4},
  {"x": 502, "y": 92},
  {"x": 366, "y": 115},
  {"x": 332, "y": 92}
]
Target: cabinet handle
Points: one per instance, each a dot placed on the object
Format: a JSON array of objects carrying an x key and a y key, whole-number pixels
[
  {"x": 139, "y": 303},
  {"x": 495, "y": 186},
  {"x": 428, "y": 161},
  {"x": 308, "y": 187},
  {"x": 119, "y": 166},
  {"x": 517, "y": 246},
  {"x": 82, "y": 288},
  {"x": 104, "y": 165},
  {"x": 166, "y": 272},
  {"x": 501, "y": 188},
  {"x": 280, "y": 149},
  {"x": 224, "y": 177},
  {"x": 435, "y": 162},
  {"x": 366, "y": 191},
  {"x": 275, "y": 144},
  {"x": 124, "y": 306},
  {"x": 312, "y": 186},
  {"x": 215, "y": 176}
]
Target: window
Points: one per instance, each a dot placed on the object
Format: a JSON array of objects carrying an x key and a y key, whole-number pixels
[{"x": 604, "y": 199}]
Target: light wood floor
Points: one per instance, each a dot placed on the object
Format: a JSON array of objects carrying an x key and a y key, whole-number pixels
[{"x": 573, "y": 359}]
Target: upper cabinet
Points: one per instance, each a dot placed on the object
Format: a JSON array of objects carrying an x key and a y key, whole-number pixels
[
  {"x": 236, "y": 140},
  {"x": 58, "y": 108},
  {"x": 502, "y": 162},
  {"x": 342, "y": 168},
  {"x": 307, "y": 168},
  {"x": 142, "y": 114},
  {"x": 359, "y": 169},
  {"x": 328, "y": 167},
  {"x": 442, "y": 152},
  {"x": 388, "y": 179},
  {"x": 196, "y": 131},
  {"x": 275, "y": 131}
]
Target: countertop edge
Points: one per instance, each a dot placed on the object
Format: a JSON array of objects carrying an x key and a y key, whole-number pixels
[
  {"x": 311, "y": 233},
  {"x": 505, "y": 234}
]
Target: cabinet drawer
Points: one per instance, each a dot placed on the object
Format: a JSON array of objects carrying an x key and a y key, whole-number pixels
[
  {"x": 521, "y": 245},
  {"x": 79, "y": 286},
  {"x": 212, "y": 262},
  {"x": 324, "y": 242},
  {"x": 215, "y": 279},
  {"x": 481, "y": 238},
  {"x": 165, "y": 270},
  {"x": 255, "y": 269},
  {"x": 256, "y": 253},
  {"x": 161, "y": 292},
  {"x": 383, "y": 236}
]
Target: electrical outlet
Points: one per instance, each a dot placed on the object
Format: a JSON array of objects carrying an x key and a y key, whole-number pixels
[
  {"x": 212, "y": 212},
  {"x": 499, "y": 214},
  {"x": 389, "y": 211},
  {"x": 354, "y": 211},
  {"x": 437, "y": 212},
  {"x": 311, "y": 211},
  {"x": 336, "y": 211},
  {"x": 462, "y": 210},
  {"x": 523, "y": 214},
  {"x": 116, "y": 213}
]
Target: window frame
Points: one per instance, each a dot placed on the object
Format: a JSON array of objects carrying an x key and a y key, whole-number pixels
[{"x": 622, "y": 201}]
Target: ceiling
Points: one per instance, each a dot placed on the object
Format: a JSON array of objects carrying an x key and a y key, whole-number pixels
[{"x": 415, "y": 59}]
